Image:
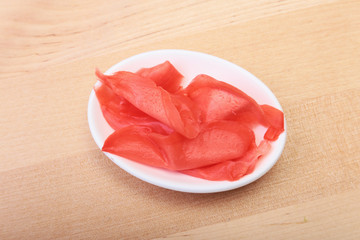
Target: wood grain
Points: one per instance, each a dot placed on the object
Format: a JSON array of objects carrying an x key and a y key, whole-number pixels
[
  {"x": 320, "y": 219},
  {"x": 56, "y": 184},
  {"x": 51, "y": 32}
]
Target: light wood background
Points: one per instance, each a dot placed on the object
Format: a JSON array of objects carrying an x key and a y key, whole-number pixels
[{"x": 56, "y": 183}]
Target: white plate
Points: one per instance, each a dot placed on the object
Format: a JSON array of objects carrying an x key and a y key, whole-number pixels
[{"x": 189, "y": 64}]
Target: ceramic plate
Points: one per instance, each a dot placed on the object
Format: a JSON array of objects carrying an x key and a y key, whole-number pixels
[{"x": 190, "y": 64}]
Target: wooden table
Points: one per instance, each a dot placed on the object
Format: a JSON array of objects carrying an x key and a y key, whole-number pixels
[{"x": 56, "y": 183}]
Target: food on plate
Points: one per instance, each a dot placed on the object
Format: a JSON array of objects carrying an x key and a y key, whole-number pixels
[{"x": 205, "y": 130}]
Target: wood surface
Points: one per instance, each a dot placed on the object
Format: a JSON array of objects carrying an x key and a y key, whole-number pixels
[{"x": 56, "y": 184}]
